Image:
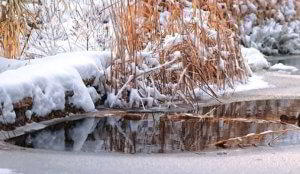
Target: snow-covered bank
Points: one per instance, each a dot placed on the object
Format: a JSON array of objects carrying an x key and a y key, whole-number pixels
[
  {"x": 153, "y": 64},
  {"x": 71, "y": 79},
  {"x": 47, "y": 81}
]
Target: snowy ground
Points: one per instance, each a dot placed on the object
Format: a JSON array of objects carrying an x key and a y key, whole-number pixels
[
  {"x": 281, "y": 86},
  {"x": 281, "y": 160}
]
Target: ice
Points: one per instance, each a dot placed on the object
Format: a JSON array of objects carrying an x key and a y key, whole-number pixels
[
  {"x": 7, "y": 171},
  {"x": 135, "y": 98}
]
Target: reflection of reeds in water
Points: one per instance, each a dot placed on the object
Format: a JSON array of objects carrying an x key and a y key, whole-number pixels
[
  {"x": 176, "y": 133},
  {"x": 193, "y": 132},
  {"x": 204, "y": 59},
  {"x": 164, "y": 133}
]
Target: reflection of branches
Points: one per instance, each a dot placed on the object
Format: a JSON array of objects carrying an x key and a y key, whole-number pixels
[{"x": 124, "y": 134}]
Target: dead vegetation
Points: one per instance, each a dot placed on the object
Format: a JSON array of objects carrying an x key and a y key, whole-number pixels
[
  {"x": 192, "y": 53},
  {"x": 15, "y": 19},
  {"x": 163, "y": 50}
]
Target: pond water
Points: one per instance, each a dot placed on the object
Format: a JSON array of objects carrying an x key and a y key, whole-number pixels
[{"x": 240, "y": 124}]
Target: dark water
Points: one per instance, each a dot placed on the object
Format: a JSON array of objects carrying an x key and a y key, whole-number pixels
[{"x": 241, "y": 124}]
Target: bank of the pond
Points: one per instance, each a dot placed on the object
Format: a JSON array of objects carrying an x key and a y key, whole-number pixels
[{"x": 281, "y": 86}]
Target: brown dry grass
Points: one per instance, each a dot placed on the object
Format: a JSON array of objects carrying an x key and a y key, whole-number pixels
[
  {"x": 138, "y": 25},
  {"x": 14, "y": 17}
]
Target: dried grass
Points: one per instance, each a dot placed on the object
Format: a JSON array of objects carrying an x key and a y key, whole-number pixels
[
  {"x": 137, "y": 24},
  {"x": 14, "y": 18}
]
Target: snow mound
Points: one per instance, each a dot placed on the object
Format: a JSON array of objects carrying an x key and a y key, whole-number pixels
[
  {"x": 46, "y": 81},
  {"x": 255, "y": 59},
  {"x": 282, "y": 67}
]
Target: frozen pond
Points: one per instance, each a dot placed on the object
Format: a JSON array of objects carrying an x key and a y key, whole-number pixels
[{"x": 240, "y": 124}]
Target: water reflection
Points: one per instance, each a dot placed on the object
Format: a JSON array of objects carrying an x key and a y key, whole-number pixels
[{"x": 240, "y": 124}]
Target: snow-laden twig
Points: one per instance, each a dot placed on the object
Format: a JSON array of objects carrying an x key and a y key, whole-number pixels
[{"x": 130, "y": 78}]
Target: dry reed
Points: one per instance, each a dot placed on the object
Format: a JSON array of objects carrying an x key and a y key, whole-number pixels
[
  {"x": 14, "y": 20},
  {"x": 205, "y": 59}
]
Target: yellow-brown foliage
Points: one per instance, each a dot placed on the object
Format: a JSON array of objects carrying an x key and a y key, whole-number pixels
[
  {"x": 13, "y": 24},
  {"x": 138, "y": 25}
]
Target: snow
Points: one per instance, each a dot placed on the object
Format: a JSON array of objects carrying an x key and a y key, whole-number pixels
[
  {"x": 282, "y": 67},
  {"x": 255, "y": 59},
  {"x": 254, "y": 82},
  {"x": 70, "y": 26},
  {"x": 47, "y": 80},
  {"x": 276, "y": 160},
  {"x": 93, "y": 93},
  {"x": 6, "y": 64},
  {"x": 273, "y": 30}
]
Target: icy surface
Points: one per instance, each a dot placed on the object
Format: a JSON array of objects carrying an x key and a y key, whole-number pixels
[
  {"x": 276, "y": 160},
  {"x": 8, "y": 171}
]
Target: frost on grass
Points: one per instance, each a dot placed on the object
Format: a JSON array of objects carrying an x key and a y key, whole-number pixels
[
  {"x": 151, "y": 59},
  {"x": 273, "y": 27}
]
